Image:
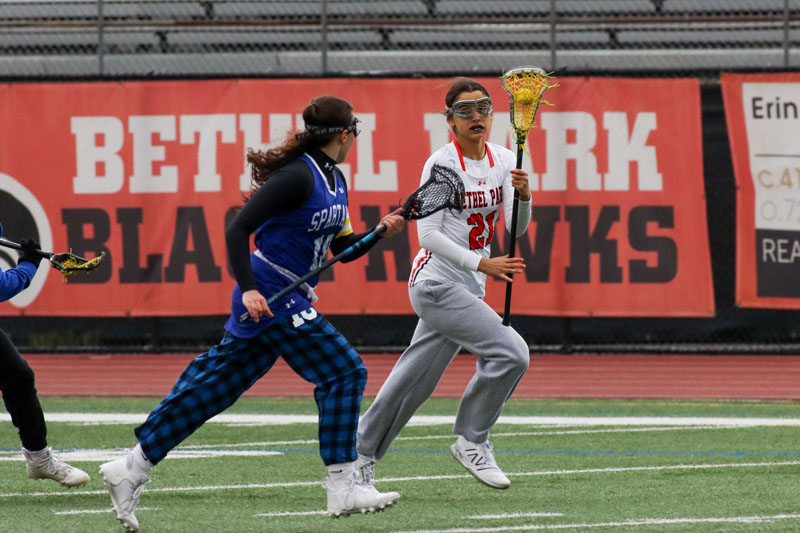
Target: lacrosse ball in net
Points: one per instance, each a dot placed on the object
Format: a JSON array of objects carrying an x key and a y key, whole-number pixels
[{"x": 524, "y": 96}]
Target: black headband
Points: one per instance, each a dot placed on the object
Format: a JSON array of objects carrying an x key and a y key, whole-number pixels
[{"x": 322, "y": 130}]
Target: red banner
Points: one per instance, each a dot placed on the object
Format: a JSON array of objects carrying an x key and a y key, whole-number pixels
[
  {"x": 150, "y": 173},
  {"x": 763, "y": 117}
]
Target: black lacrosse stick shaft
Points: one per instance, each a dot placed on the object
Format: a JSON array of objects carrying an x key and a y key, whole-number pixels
[
  {"x": 512, "y": 246},
  {"x": 378, "y": 231},
  {"x": 16, "y": 246}
]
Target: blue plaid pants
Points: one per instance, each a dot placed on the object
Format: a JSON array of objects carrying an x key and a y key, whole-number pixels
[{"x": 213, "y": 381}]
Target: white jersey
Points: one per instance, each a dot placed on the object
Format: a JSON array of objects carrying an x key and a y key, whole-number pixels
[{"x": 452, "y": 244}]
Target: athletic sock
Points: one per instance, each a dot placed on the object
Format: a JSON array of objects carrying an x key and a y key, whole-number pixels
[
  {"x": 341, "y": 472},
  {"x": 39, "y": 455},
  {"x": 138, "y": 462}
]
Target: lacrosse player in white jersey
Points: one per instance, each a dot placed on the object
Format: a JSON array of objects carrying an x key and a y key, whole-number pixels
[{"x": 446, "y": 289}]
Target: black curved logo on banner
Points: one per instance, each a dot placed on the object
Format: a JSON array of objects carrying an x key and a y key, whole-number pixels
[{"x": 18, "y": 223}]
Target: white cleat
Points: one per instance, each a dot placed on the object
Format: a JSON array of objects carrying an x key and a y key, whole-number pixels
[
  {"x": 47, "y": 465},
  {"x": 349, "y": 496},
  {"x": 125, "y": 489},
  {"x": 479, "y": 460}
]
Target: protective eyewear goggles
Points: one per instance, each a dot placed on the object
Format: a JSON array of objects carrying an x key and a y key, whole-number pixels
[
  {"x": 353, "y": 128},
  {"x": 467, "y": 108}
]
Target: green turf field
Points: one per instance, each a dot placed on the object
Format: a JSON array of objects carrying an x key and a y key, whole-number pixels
[{"x": 666, "y": 466}]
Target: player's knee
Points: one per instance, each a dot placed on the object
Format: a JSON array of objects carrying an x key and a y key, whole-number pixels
[
  {"x": 519, "y": 354},
  {"x": 25, "y": 378},
  {"x": 361, "y": 376},
  {"x": 22, "y": 381},
  {"x": 525, "y": 362},
  {"x": 356, "y": 376},
  {"x": 522, "y": 361}
]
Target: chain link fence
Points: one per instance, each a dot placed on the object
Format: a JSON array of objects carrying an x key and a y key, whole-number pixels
[{"x": 52, "y": 40}]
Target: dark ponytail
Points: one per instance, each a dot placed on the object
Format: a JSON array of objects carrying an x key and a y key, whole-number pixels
[{"x": 325, "y": 117}]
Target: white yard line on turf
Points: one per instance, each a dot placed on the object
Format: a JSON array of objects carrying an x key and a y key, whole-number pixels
[
  {"x": 416, "y": 478},
  {"x": 451, "y": 436},
  {"x": 292, "y": 513},
  {"x": 102, "y": 511},
  {"x": 88, "y": 454},
  {"x": 429, "y": 420},
  {"x": 201, "y": 451},
  {"x": 510, "y": 515},
  {"x": 608, "y": 470},
  {"x": 258, "y": 443},
  {"x": 574, "y": 432},
  {"x": 623, "y": 523},
  {"x": 476, "y": 517}
]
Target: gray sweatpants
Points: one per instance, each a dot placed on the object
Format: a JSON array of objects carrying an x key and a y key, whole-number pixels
[{"x": 451, "y": 318}]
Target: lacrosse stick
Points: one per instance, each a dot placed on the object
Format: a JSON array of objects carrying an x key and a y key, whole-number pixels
[
  {"x": 525, "y": 87},
  {"x": 443, "y": 189},
  {"x": 66, "y": 263}
]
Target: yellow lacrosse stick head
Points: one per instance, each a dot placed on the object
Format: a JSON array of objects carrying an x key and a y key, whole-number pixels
[
  {"x": 525, "y": 87},
  {"x": 69, "y": 263}
]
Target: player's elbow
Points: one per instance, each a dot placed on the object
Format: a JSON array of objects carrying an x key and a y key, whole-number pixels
[{"x": 234, "y": 233}]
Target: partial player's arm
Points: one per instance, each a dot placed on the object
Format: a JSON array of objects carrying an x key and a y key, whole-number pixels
[
  {"x": 15, "y": 280},
  {"x": 518, "y": 180},
  {"x": 432, "y": 239},
  {"x": 499, "y": 267},
  {"x": 288, "y": 188},
  {"x": 393, "y": 222}
]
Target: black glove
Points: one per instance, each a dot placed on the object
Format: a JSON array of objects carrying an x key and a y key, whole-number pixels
[{"x": 28, "y": 252}]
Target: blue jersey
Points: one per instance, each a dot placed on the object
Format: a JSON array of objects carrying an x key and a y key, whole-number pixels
[{"x": 290, "y": 245}]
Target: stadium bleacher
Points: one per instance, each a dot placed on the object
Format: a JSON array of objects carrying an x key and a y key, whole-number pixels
[{"x": 80, "y": 38}]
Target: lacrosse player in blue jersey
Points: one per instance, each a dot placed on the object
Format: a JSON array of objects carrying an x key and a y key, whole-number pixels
[
  {"x": 17, "y": 383},
  {"x": 298, "y": 210}
]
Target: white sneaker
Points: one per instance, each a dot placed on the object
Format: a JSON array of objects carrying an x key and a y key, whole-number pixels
[
  {"x": 47, "y": 465},
  {"x": 125, "y": 488},
  {"x": 479, "y": 460},
  {"x": 348, "y": 496}
]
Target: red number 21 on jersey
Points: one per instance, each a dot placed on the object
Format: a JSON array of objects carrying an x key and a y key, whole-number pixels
[{"x": 476, "y": 238}]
